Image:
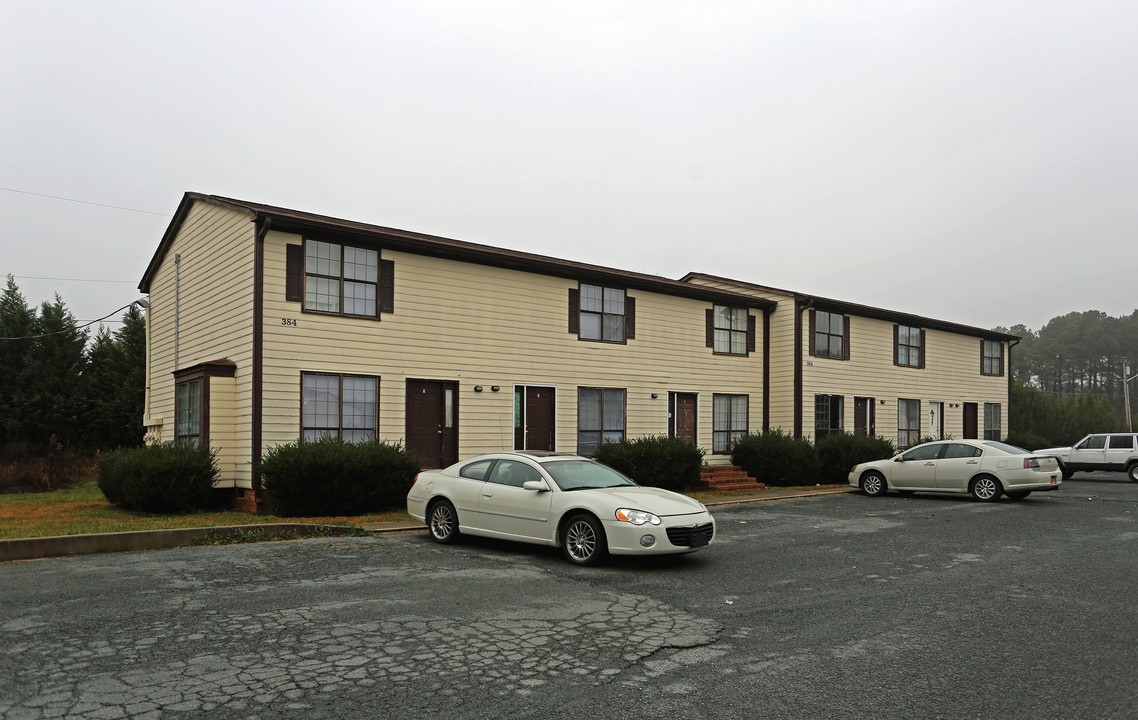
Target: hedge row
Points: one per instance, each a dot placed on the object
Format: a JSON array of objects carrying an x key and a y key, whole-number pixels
[
  {"x": 777, "y": 458},
  {"x": 657, "y": 461}
]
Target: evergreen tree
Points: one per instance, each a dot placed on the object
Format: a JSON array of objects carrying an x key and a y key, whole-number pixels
[
  {"x": 48, "y": 397},
  {"x": 17, "y": 320},
  {"x": 114, "y": 385}
]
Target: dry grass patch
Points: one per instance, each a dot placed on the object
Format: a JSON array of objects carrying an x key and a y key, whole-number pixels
[{"x": 83, "y": 509}]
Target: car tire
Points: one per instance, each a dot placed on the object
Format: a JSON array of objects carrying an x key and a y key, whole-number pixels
[
  {"x": 583, "y": 540},
  {"x": 442, "y": 522},
  {"x": 1132, "y": 472},
  {"x": 1067, "y": 474},
  {"x": 873, "y": 484},
  {"x": 986, "y": 488},
  {"x": 1018, "y": 494}
]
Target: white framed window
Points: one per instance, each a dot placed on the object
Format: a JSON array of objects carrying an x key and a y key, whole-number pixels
[
  {"x": 600, "y": 418},
  {"x": 340, "y": 406},
  {"x": 729, "y": 421},
  {"x": 908, "y": 422}
]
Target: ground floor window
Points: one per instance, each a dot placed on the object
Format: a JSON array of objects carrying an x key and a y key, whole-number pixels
[
  {"x": 908, "y": 423},
  {"x": 600, "y": 418},
  {"x": 188, "y": 411},
  {"x": 828, "y": 412},
  {"x": 340, "y": 406},
  {"x": 992, "y": 429},
  {"x": 728, "y": 421}
]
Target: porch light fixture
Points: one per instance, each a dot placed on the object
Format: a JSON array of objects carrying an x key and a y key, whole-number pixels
[
  {"x": 477, "y": 388},
  {"x": 654, "y": 396},
  {"x": 495, "y": 388}
]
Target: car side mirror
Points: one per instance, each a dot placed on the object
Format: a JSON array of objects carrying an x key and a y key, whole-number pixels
[
  {"x": 535, "y": 485},
  {"x": 898, "y": 459}
]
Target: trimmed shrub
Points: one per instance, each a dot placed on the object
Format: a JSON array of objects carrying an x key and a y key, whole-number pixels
[
  {"x": 1028, "y": 440},
  {"x": 332, "y": 477},
  {"x": 777, "y": 458},
  {"x": 159, "y": 478},
  {"x": 839, "y": 452},
  {"x": 656, "y": 461}
]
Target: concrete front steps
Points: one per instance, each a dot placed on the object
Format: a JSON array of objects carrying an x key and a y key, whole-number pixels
[{"x": 728, "y": 477}]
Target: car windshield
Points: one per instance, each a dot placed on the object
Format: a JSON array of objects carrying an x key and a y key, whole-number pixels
[
  {"x": 584, "y": 475},
  {"x": 1009, "y": 449}
]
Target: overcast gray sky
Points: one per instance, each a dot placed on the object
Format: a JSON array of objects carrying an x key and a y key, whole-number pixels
[{"x": 972, "y": 161}]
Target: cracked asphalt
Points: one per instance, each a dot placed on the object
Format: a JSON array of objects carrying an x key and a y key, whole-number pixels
[{"x": 840, "y": 606}]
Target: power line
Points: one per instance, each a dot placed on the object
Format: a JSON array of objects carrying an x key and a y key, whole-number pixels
[
  {"x": 77, "y": 327},
  {"x": 83, "y": 202},
  {"x": 34, "y": 277}
]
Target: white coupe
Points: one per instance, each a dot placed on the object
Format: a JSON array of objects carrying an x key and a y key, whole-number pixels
[
  {"x": 586, "y": 508},
  {"x": 984, "y": 468}
]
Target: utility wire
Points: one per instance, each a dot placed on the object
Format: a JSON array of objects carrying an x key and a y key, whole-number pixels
[
  {"x": 77, "y": 327},
  {"x": 83, "y": 202},
  {"x": 34, "y": 277}
]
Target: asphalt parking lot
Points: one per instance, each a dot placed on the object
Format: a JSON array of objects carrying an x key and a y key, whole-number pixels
[{"x": 839, "y": 606}]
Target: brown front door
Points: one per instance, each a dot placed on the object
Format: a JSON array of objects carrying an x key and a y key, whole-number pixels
[
  {"x": 970, "y": 421},
  {"x": 533, "y": 417},
  {"x": 864, "y": 416},
  {"x": 432, "y": 421},
  {"x": 682, "y": 409}
]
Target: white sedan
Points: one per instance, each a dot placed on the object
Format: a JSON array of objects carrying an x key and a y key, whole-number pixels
[
  {"x": 984, "y": 468},
  {"x": 586, "y": 508}
]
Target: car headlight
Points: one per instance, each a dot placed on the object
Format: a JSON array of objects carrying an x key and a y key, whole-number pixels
[{"x": 637, "y": 517}]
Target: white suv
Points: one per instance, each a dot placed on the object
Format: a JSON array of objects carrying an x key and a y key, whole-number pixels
[{"x": 1101, "y": 451}]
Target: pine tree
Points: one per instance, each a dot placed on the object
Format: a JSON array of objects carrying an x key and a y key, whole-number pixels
[{"x": 17, "y": 320}]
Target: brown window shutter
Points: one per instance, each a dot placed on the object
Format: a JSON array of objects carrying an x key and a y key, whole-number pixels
[
  {"x": 294, "y": 261},
  {"x": 574, "y": 311},
  {"x": 922, "y": 362},
  {"x": 751, "y": 332},
  {"x": 710, "y": 340},
  {"x": 845, "y": 337},
  {"x": 629, "y": 318},
  {"x": 1001, "y": 373},
  {"x": 387, "y": 286},
  {"x": 896, "y": 345},
  {"x": 813, "y": 330},
  {"x": 981, "y": 356}
]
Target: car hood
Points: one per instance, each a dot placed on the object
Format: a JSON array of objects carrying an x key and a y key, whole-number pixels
[
  {"x": 653, "y": 500},
  {"x": 1052, "y": 451}
]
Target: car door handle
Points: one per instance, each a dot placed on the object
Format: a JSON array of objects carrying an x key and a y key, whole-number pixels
[
  {"x": 973, "y": 462},
  {"x": 930, "y": 464}
]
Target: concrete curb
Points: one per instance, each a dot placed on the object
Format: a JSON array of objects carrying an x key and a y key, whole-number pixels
[{"x": 65, "y": 545}]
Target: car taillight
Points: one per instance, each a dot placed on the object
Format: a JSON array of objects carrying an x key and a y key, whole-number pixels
[
  {"x": 1030, "y": 464},
  {"x": 416, "y": 479}
]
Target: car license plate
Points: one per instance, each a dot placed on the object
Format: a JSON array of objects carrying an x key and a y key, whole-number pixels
[{"x": 699, "y": 539}]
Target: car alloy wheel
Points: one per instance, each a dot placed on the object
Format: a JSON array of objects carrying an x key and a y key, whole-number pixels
[
  {"x": 986, "y": 488},
  {"x": 873, "y": 484},
  {"x": 443, "y": 523},
  {"x": 1132, "y": 471},
  {"x": 583, "y": 541}
]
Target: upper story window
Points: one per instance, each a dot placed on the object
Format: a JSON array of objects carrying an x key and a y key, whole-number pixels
[
  {"x": 603, "y": 314},
  {"x": 331, "y": 277},
  {"x": 830, "y": 335},
  {"x": 340, "y": 278},
  {"x": 908, "y": 346},
  {"x": 991, "y": 357},
  {"x": 730, "y": 330}
]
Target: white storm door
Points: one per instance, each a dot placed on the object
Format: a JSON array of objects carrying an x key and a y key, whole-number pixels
[{"x": 936, "y": 419}]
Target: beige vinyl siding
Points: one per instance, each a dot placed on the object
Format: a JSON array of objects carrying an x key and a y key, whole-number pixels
[
  {"x": 951, "y": 375},
  {"x": 781, "y": 344},
  {"x": 215, "y": 313},
  {"x": 223, "y": 425},
  {"x": 480, "y": 325}
]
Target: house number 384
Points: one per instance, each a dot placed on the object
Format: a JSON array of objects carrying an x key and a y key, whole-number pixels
[{"x": 290, "y": 322}]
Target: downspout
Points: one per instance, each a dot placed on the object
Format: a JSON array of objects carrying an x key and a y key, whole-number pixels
[
  {"x": 767, "y": 367},
  {"x": 799, "y": 306},
  {"x": 1011, "y": 344},
  {"x": 177, "y": 303},
  {"x": 262, "y": 225}
]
